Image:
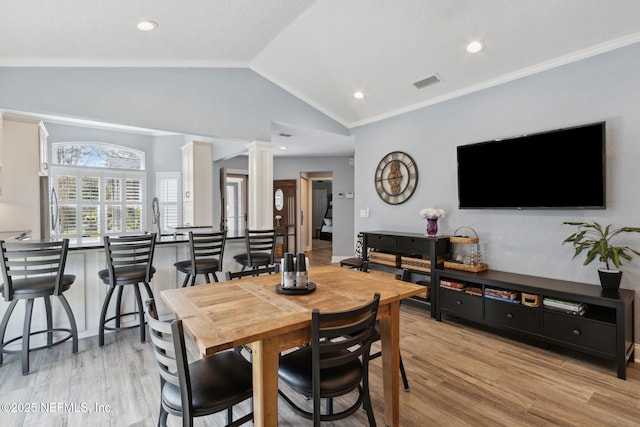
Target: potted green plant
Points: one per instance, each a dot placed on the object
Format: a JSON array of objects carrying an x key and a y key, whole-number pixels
[{"x": 596, "y": 241}]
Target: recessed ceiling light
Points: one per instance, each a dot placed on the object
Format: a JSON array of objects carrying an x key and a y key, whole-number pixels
[
  {"x": 475, "y": 47},
  {"x": 283, "y": 147},
  {"x": 358, "y": 95},
  {"x": 147, "y": 25}
]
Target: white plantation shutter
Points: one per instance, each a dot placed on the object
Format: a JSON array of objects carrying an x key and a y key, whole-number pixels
[
  {"x": 90, "y": 188},
  {"x": 133, "y": 190},
  {"x": 99, "y": 201},
  {"x": 112, "y": 189},
  {"x": 113, "y": 219},
  {"x": 168, "y": 194}
]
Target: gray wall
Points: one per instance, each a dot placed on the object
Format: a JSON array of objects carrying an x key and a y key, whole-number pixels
[
  {"x": 290, "y": 168},
  {"x": 215, "y": 102},
  {"x": 605, "y": 87}
]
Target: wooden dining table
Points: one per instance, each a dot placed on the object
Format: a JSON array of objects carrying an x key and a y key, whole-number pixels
[{"x": 252, "y": 312}]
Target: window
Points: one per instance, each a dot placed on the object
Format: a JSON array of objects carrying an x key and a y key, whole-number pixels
[
  {"x": 168, "y": 192},
  {"x": 236, "y": 202},
  {"x": 100, "y": 189}
]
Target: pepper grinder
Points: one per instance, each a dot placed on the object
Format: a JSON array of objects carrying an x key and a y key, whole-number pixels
[
  {"x": 301, "y": 271},
  {"x": 288, "y": 275}
]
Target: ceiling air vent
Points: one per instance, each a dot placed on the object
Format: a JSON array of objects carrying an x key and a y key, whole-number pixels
[{"x": 431, "y": 80}]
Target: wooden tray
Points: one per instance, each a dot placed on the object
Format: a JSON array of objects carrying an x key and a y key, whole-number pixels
[{"x": 465, "y": 267}]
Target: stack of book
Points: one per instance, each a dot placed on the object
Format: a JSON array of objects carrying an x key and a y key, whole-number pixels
[
  {"x": 455, "y": 286},
  {"x": 474, "y": 291},
  {"x": 502, "y": 295},
  {"x": 569, "y": 307}
]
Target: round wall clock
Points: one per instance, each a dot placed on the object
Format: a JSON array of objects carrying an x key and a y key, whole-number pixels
[{"x": 396, "y": 177}]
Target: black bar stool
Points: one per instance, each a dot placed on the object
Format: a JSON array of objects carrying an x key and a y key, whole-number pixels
[
  {"x": 260, "y": 247},
  {"x": 129, "y": 262},
  {"x": 33, "y": 270},
  {"x": 206, "y": 251}
]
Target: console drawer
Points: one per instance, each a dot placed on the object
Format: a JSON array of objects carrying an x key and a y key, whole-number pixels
[
  {"x": 580, "y": 331},
  {"x": 461, "y": 303},
  {"x": 512, "y": 315}
]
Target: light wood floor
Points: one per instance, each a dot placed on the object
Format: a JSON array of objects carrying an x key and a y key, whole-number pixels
[{"x": 459, "y": 376}]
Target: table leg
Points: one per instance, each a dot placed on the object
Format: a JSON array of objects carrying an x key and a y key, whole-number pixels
[
  {"x": 265, "y": 382},
  {"x": 390, "y": 335}
]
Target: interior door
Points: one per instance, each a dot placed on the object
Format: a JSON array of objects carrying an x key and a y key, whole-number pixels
[{"x": 284, "y": 215}]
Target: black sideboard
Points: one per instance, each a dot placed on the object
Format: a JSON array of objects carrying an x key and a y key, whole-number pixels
[{"x": 408, "y": 244}]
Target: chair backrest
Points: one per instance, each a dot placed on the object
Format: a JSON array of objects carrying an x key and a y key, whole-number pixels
[
  {"x": 167, "y": 339},
  {"x": 130, "y": 251},
  {"x": 229, "y": 275},
  {"x": 339, "y": 338},
  {"x": 260, "y": 241},
  {"x": 29, "y": 259},
  {"x": 207, "y": 245}
]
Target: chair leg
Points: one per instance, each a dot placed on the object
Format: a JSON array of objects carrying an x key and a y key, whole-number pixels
[
  {"x": 206, "y": 278},
  {"x": 162, "y": 418},
  {"x": 143, "y": 336},
  {"x": 118, "y": 305},
  {"x": 148, "y": 289},
  {"x": 193, "y": 280},
  {"x": 47, "y": 309},
  {"x": 28, "y": 311},
  {"x": 185, "y": 282},
  {"x": 404, "y": 375},
  {"x": 72, "y": 322},
  {"x": 103, "y": 315},
  {"x": 3, "y": 326}
]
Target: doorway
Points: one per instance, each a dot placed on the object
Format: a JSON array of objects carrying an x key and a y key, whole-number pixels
[{"x": 316, "y": 198}]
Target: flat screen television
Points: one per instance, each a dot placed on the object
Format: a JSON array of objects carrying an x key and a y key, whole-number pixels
[{"x": 559, "y": 169}]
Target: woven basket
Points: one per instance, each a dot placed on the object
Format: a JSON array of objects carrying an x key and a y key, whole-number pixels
[
  {"x": 392, "y": 260},
  {"x": 464, "y": 239},
  {"x": 417, "y": 264}
]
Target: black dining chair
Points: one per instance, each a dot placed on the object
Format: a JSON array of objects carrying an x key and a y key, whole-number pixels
[
  {"x": 129, "y": 263},
  {"x": 335, "y": 363},
  {"x": 357, "y": 260},
  {"x": 204, "y": 387},
  {"x": 259, "y": 249},
  {"x": 32, "y": 270},
  {"x": 206, "y": 251},
  {"x": 272, "y": 269}
]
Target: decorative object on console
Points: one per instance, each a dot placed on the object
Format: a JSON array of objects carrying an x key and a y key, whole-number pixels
[
  {"x": 432, "y": 215},
  {"x": 466, "y": 253},
  {"x": 596, "y": 240}
]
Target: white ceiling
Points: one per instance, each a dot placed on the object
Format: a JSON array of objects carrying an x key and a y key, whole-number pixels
[{"x": 324, "y": 50}]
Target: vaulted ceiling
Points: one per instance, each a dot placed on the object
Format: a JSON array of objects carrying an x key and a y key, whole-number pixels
[{"x": 323, "y": 51}]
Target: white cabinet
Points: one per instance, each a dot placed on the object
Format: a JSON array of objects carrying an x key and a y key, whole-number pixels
[
  {"x": 197, "y": 183},
  {"x": 20, "y": 175}
]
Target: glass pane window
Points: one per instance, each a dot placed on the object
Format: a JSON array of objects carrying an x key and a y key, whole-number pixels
[
  {"x": 97, "y": 155},
  {"x": 133, "y": 190},
  {"x": 134, "y": 218},
  {"x": 112, "y": 190},
  {"x": 67, "y": 218},
  {"x": 168, "y": 194},
  {"x": 113, "y": 217},
  {"x": 67, "y": 190},
  {"x": 90, "y": 188},
  {"x": 90, "y": 221},
  {"x": 101, "y": 189}
]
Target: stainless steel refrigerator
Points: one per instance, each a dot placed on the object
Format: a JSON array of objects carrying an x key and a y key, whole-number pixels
[{"x": 48, "y": 209}]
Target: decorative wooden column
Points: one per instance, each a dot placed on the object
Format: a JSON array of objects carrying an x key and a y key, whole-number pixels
[{"x": 260, "y": 185}]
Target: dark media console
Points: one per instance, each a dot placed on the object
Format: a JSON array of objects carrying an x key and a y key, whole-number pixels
[{"x": 605, "y": 330}]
